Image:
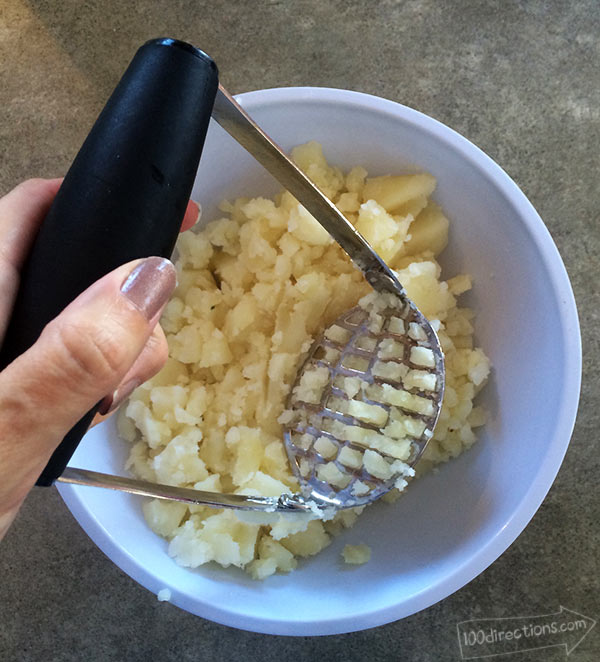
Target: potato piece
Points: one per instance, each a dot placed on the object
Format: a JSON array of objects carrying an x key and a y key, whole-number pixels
[
  {"x": 309, "y": 542},
  {"x": 156, "y": 433},
  {"x": 310, "y": 159},
  {"x": 164, "y": 399},
  {"x": 325, "y": 447},
  {"x": 243, "y": 315},
  {"x": 188, "y": 548},
  {"x": 139, "y": 462},
  {"x": 376, "y": 465},
  {"x": 178, "y": 463},
  {"x": 420, "y": 379},
  {"x": 275, "y": 463},
  {"x": 360, "y": 489},
  {"x": 305, "y": 227},
  {"x": 395, "y": 396},
  {"x": 329, "y": 473},
  {"x": 194, "y": 251},
  {"x": 164, "y": 517},
  {"x": 286, "y": 526},
  {"x": 355, "y": 180},
  {"x": 262, "y": 568},
  {"x": 459, "y": 284},
  {"x": 368, "y": 413},
  {"x": 477, "y": 417},
  {"x": 385, "y": 233},
  {"x": 261, "y": 484},
  {"x": 348, "y": 202},
  {"x": 479, "y": 367},
  {"x": 390, "y": 349},
  {"x": 422, "y": 356},
  {"x": 312, "y": 383},
  {"x": 356, "y": 554},
  {"x": 392, "y": 192},
  {"x": 173, "y": 372},
  {"x": 412, "y": 207},
  {"x": 350, "y": 458},
  {"x": 390, "y": 370},
  {"x": 125, "y": 426},
  {"x": 396, "y": 325},
  {"x": 428, "y": 232},
  {"x": 249, "y": 456},
  {"x": 271, "y": 549}
]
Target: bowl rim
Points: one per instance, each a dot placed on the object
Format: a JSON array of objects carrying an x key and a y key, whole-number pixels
[{"x": 531, "y": 501}]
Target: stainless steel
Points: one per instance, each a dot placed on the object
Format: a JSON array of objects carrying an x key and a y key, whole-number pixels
[
  {"x": 287, "y": 503},
  {"x": 312, "y": 421},
  {"x": 232, "y": 117}
]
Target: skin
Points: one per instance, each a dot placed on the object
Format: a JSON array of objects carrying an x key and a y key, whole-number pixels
[{"x": 100, "y": 342}]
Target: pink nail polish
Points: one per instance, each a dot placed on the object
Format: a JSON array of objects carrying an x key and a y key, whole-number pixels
[{"x": 150, "y": 285}]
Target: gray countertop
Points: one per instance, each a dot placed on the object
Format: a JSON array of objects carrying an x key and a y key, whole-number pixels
[{"x": 519, "y": 79}]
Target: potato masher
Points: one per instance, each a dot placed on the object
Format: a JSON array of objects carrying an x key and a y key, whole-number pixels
[{"x": 334, "y": 469}]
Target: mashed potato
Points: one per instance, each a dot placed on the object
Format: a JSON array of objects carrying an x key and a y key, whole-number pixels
[{"x": 255, "y": 287}]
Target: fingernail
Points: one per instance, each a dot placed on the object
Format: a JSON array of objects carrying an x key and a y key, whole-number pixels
[
  {"x": 114, "y": 401},
  {"x": 193, "y": 211},
  {"x": 199, "y": 214},
  {"x": 150, "y": 285}
]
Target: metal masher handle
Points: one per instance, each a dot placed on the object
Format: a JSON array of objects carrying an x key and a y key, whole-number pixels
[
  {"x": 232, "y": 117},
  {"x": 288, "y": 503}
]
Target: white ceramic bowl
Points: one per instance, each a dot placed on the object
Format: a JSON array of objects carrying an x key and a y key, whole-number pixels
[{"x": 450, "y": 526}]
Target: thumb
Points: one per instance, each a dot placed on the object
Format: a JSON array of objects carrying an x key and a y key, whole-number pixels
[{"x": 80, "y": 357}]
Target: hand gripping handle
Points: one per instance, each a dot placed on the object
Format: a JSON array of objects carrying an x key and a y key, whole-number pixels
[{"x": 123, "y": 198}]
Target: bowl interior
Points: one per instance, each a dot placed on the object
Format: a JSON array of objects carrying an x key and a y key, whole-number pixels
[{"x": 451, "y": 525}]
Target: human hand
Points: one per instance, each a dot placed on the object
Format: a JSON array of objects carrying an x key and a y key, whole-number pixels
[{"x": 103, "y": 345}]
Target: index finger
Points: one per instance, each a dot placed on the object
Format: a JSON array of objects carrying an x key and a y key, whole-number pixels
[{"x": 21, "y": 214}]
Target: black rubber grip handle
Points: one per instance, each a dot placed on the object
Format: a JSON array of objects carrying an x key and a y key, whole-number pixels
[{"x": 123, "y": 198}]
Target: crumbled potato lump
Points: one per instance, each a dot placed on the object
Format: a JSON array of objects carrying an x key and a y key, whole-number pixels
[
  {"x": 356, "y": 554},
  {"x": 325, "y": 447},
  {"x": 164, "y": 595},
  {"x": 256, "y": 286}
]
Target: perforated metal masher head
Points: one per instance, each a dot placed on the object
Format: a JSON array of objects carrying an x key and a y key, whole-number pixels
[
  {"x": 366, "y": 399},
  {"x": 360, "y": 434}
]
